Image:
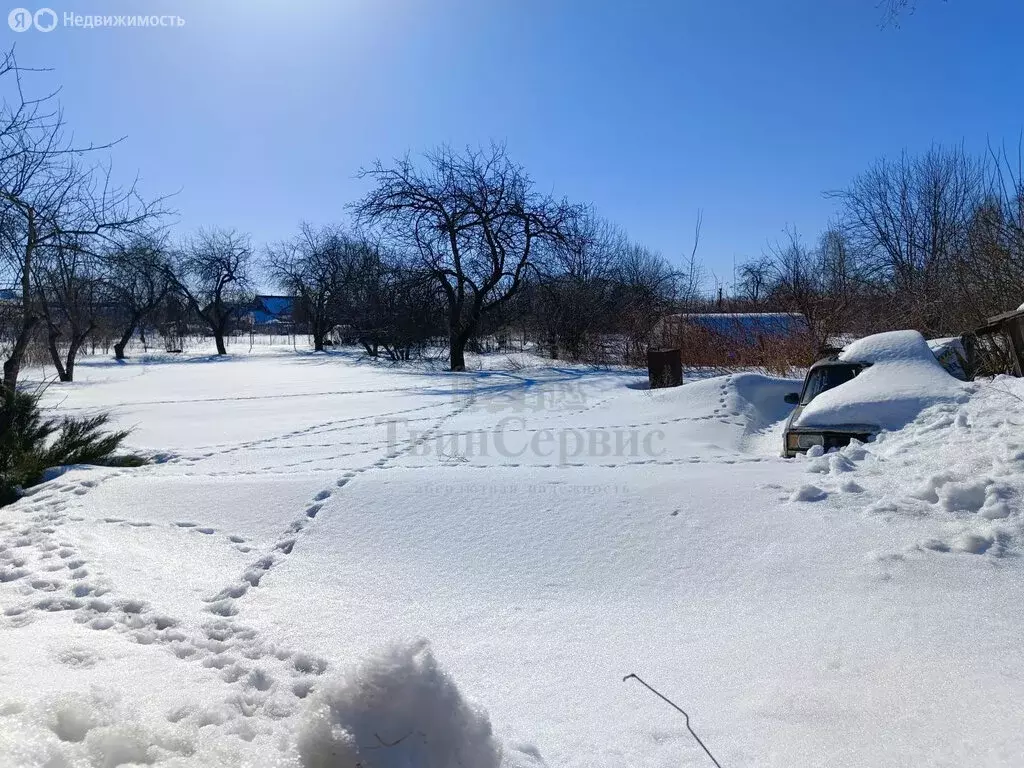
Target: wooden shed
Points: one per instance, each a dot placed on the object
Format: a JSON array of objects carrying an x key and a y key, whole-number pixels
[{"x": 998, "y": 345}]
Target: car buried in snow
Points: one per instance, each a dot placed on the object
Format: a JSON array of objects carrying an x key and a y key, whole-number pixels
[{"x": 823, "y": 376}]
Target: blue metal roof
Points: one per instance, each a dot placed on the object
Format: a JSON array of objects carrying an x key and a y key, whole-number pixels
[
  {"x": 267, "y": 309},
  {"x": 747, "y": 323}
]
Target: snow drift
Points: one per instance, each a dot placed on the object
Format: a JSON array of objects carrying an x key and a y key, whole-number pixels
[
  {"x": 904, "y": 378},
  {"x": 762, "y": 398},
  {"x": 394, "y": 710}
]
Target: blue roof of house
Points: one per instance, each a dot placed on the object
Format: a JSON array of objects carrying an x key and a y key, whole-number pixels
[
  {"x": 755, "y": 322},
  {"x": 744, "y": 323},
  {"x": 267, "y": 309}
]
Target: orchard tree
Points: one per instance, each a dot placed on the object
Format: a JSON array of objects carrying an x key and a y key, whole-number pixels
[
  {"x": 53, "y": 201},
  {"x": 139, "y": 276},
  {"x": 909, "y": 222},
  {"x": 319, "y": 268},
  {"x": 213, "y": 276},
  {"x": 475, "y": 222},
  {"x": 394, "y": 305},
  {"x": 73, "y": 300}
]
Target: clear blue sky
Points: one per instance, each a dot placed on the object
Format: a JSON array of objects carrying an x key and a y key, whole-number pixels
[{"x": 262, "y": 112}]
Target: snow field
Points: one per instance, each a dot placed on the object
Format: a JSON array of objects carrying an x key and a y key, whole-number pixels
[{"x": 259, "y": 596}]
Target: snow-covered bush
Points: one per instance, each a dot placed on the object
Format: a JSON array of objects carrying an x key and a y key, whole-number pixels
[{"x": 397, "y": 709}]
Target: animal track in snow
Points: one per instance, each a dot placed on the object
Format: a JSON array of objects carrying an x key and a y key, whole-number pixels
[{"x": 260, "y": 673}]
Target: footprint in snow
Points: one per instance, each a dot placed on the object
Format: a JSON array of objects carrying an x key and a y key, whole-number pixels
[
  {"x": 286, "y": 546},
  {"x": 223, "y": 608}
]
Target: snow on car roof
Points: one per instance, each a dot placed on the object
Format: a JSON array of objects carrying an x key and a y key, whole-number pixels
[{"x": 904, "y": 378}]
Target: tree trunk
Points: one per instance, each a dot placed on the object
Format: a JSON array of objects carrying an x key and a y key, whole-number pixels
[
  {"x": 218, "y": 337},
  {"x": 51, "y": 345},
  {"x": 12, "y": 366},
  {"x": 125, "y": 338},
  {"x": 29, "y": 320},
  {"x": 457, "y": 350},
  {"x": 318, "y": 339},
  {"x": 69, "y": 365}
]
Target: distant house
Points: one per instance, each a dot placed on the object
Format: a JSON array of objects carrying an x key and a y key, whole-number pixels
[
  {"x": 273, "y": 310},
  {"x": 10, "y": 303}
]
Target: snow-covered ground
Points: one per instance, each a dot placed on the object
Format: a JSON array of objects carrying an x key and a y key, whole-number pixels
[{"x": 258, "y": 595}]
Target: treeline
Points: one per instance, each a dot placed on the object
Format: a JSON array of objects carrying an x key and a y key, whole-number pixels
[
  {"x": 459, "y": 250},
  {"x": 455, "y": 251},
  {"x": 933, "y": 242}
]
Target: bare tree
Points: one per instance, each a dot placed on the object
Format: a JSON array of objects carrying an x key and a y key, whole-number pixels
[
  {"x": 754, "y": 281},
  {"x": 319, "y": 267},
  {"x": 573, "y": 288},
  {"x": 475, "y": 222},
  {"x": 648, "y": 289},
  {"x": 72, "y": 298},
  {"x": 991, "y": 273},
  {"x": 212, "y": 275},
  {"x": 803, "y": 282},
  {"x": 50, "y": 200},
  {"x": 893, "y": 11},
  {"x": 395, "y": 305},
  {"x": 139, "y": 277},
  {"x": 908, "y": 220}
]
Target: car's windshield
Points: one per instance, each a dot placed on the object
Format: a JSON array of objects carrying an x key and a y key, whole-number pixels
[{"x": 825, "y": 378}]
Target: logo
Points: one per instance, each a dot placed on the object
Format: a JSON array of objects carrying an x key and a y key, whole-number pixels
[
  {"x": 45, "y": 20},
  {"x": 22, "y": 19}
]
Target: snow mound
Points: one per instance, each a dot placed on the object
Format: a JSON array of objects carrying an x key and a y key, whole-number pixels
[
  {"x": 762, "y": 398},
  {"x": 956, "y": 472},
  {"x": 759, "y": 402},
  {"x": 892, "y": 346},
  {"x": 808, "y": 492},
  {"x": 904, "y": 379},
  {"x": 394, "y": 710}
]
